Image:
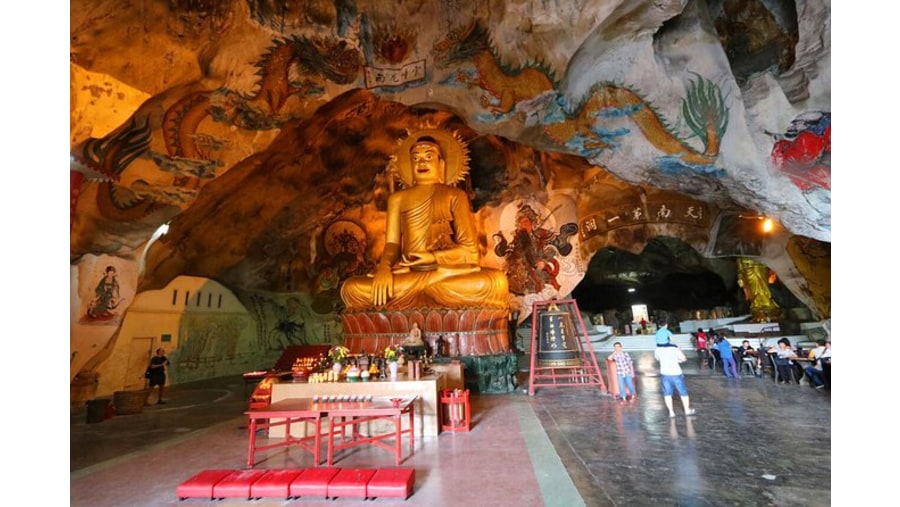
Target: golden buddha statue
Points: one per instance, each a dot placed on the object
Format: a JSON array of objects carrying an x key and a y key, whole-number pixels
[
  {"x": 754, "y": 277},
  {"x": 431, "y": 257}
]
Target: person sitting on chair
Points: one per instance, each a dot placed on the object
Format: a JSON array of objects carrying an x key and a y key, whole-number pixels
[
  {"x": 815, "y": 370},
  {"x": 783, "y": 360},
  {"x": 749, "y": 357}
]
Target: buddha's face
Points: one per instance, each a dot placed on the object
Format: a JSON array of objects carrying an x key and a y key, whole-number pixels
[{"x": 427, "y": 164}]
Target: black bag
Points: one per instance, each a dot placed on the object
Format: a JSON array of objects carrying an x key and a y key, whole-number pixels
[{"x": 147, "y": 373}]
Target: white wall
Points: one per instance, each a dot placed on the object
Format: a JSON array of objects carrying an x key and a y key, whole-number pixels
[{"x": 209, "y": 337}]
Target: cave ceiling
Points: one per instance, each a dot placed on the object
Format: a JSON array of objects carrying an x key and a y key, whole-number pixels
[{"x": 252, "y": 126}]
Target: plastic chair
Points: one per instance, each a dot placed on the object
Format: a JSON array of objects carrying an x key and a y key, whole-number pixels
[
  {"x": 750, "y": 364},
  {"x": 714, "y": 357},
  {"x": 775, "y": 360}
]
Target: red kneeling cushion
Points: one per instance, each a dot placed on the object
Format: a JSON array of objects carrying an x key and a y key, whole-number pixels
[
  {"x": 237, "y": 484},
  {"x": 350, "y": 482},
  {"x": 201, "y": 484},
  {"x": 391, "y": 482},
  {"x": 313, "y": 481},
  {"x": 275, "y": 483}
]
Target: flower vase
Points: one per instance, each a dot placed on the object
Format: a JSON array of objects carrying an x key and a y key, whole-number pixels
[
  {"x": 337, "y": 367},
  {"x": 392, "y": 366}
]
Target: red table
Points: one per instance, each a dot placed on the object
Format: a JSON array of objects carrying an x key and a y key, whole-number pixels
[
  {"x": 354, "y": 413},
  {"x": 296, "y": 410}
]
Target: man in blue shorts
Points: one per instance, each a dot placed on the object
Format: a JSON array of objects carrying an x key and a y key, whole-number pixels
[{"x": 670, "y": 359}]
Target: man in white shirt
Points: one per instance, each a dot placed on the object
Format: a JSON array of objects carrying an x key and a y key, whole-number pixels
[{"x": 670, "y": 359}]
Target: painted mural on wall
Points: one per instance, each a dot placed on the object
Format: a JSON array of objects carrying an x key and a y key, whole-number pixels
[
  {"x": 205, "y": 340},
  {"x": 803, "y": 154},
  {"x": 535, "y": 249},
  {"x": 107, "y": 303},
  {"x": 199, "y": 126},
  {"x": 289, "y": 328},
  {"x": 593, "y": 125},
  {"x": 282, "y": 321},
  {"x": 345, "y": 244}
]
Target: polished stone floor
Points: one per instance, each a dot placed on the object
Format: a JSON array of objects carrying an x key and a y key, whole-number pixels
[{"x": 752, "y": 442}]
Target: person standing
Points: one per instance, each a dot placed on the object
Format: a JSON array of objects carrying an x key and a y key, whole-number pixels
[
  {"x": 670, "y": 359},
  {"x": 157, "y": 371},
  {"x": 624, "y": 370},
  {"x": 702, "y": 349},
  {"x": 663, "y": 335},
  {"x": 728, "y": 364}
]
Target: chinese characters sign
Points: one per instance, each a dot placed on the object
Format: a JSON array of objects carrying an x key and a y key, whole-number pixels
[
  {"x": 654, "y": 212},
  {"x": 376, "y": 76}
]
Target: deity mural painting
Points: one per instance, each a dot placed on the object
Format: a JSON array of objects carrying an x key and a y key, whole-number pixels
[
  {"x": 431, "y": 257},
  {"x": 803, "y": 153},
  {"x": 345, "y": 243},
  {"x": 531, "y": 255},
  {"x": 107, "y": 298}
]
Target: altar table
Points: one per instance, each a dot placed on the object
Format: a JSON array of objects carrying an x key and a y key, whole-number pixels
[{"x": 425, "y": 389}]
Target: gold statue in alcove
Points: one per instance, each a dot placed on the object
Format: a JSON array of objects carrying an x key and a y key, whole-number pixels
[
  {"x": 431, "y": 257},
  {"x": 754, "y": 277}
]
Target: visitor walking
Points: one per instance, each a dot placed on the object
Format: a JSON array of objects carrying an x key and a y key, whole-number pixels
[
  {"x": 670, "y": 359},
  {"x": 156, "y": 373}
]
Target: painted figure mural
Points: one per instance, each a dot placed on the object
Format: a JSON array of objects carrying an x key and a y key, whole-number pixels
[
  {"x": 531, "y": 255},
  {"x": 106, "y": 297},
  {"x": 803, "y": 153}
]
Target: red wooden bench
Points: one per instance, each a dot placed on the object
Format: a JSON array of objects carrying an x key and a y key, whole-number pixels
[
  {"x": 328, "y": 482},
  {"x": 275, "y": 483},
  {"x": 313, "y": 482}
]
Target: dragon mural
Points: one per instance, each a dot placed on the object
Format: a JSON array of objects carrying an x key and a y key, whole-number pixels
[
  {"x": 104, "y": 160},
  {"x": 704, "y": 109},
  {"x": 261, "y": 110},
  {"x": 190, "y": 154},
  {"x": 504, "y": 86},
  {"x": 704, "y": 113}
]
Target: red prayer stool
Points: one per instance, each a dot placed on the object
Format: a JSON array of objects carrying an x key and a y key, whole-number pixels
[
  {"x": 391, "y": 483},
  {"x": 201, "y": 484},
  {"x": 237, "y": 484},
  {"x": 275, "y": 483},
  {"x": 313, "y": 482},
  {"x": 350, "y": 482}
]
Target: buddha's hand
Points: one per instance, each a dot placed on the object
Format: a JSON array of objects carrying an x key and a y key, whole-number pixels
[
  {"x": 413, "y": 259},
  {"x": 382, "y": 285}
]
